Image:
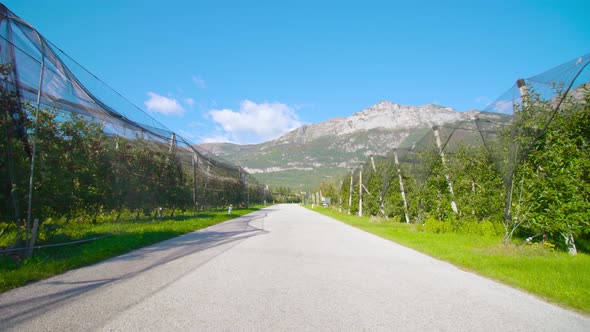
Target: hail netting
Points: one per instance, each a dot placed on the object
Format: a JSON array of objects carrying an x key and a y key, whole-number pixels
[
  {"x": 532, "y": 104},
  {"x": 542, "y": 154},
  {"x": 449, "y": 172},
  {"x": 522, "y": 162},
  {"x": 94, "y": 154}
]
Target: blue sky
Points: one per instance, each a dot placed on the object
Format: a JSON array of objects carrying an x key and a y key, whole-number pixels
[{"x": 248, "y": 71}]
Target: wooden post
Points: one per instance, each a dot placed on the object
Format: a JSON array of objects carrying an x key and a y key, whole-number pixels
[
  {"x": 401, "y": 186},
  {"x": 444, "y": 164}
]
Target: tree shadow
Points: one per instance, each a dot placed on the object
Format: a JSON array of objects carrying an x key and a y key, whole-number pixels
[{"x": 22, "y": 304}]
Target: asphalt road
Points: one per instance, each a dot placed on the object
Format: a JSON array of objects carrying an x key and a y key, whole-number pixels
[{"x": 283, "y": 268}]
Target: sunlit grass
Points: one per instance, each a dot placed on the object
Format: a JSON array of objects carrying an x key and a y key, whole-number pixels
[
  {"x": 552, "y": 275},
  {"x": 126, "y": 236}
]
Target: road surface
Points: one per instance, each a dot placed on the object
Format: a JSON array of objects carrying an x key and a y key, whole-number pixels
[{"x": 283, "y": 268}]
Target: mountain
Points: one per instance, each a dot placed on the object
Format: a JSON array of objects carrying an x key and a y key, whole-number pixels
[{"x": 316, "y": 152}]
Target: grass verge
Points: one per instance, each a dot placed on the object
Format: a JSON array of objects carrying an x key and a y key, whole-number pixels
[
  {"x": 127, "y": 236},
  {"x": 554, "y": 276}
]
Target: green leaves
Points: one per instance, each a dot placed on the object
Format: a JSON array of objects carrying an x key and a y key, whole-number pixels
[
  {"x": 543, "y": 174},
  {"x": 556, "y": 186}
]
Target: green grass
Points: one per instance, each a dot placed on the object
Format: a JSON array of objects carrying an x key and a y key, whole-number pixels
[
  {"x": 554, "y": 276},
  {"x": 126, "y": 236}
]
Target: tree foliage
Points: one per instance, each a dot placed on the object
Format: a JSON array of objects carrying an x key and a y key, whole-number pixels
[
  {"x": 554, "y": 187},
  {"x": 544, "y": 178},
  {"x": 82, "y": 173}
]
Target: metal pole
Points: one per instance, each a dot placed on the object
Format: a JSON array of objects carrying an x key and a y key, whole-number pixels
[
  {"x": 444, "y": 164},
  {"x": 401, "y": 186}
]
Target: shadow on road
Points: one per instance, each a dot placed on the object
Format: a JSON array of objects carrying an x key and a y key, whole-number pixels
[{"x": 28, "y": 302}]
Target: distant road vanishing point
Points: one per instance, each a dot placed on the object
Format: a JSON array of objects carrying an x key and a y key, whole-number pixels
[{"x": 282, "y": 268}]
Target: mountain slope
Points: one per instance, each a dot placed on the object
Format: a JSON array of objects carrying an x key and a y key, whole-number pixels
[{"x": 315, "y": 152}]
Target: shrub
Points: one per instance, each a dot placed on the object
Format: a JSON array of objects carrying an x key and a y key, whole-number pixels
[{"x": 454, "y": 225}]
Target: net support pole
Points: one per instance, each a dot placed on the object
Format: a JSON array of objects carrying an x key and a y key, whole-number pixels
[
  {"x": 195, "y": 163},
  {"x": 350, "y": 191},
  {"x": 340, "y": 198},
  {"x": 360, "y": 193},
  {"x": 444, "y": 164},
  {"x": 34, "y": 154},
  {"x": 241, "y": 183},
  {"x": 512, "y": 159},
  {"x": 247, "y": 191},
  {"x": 524, "y": 92},
  {"x": 33, "y": 237},
  {"x": 172, "y": 142},
  {"x": 401, "y": 186}
]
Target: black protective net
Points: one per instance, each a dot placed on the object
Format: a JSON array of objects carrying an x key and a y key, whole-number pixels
[
  {"x": 74, "y": 149},
  {"x": 450, "y": 173},
  {"x": 546, "y": 188},
  {"x": 523, "y": 161}
]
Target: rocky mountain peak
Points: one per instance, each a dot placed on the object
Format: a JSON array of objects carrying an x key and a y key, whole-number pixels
[
  {"x": 324, "y": 149},
  {"x": 384, "y": 115}
]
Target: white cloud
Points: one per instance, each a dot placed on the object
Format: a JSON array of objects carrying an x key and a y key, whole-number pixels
[
  {"x": 255, "y": 123},
  {"x": 190, "y": 102},
  {"x": 199, "y": 82},
  {"x": 164, "y": 105}
]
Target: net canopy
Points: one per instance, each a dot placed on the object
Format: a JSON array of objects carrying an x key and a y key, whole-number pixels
[
  {"x": 522, "y": 162},
  {"x": 72, "y": 146}
]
